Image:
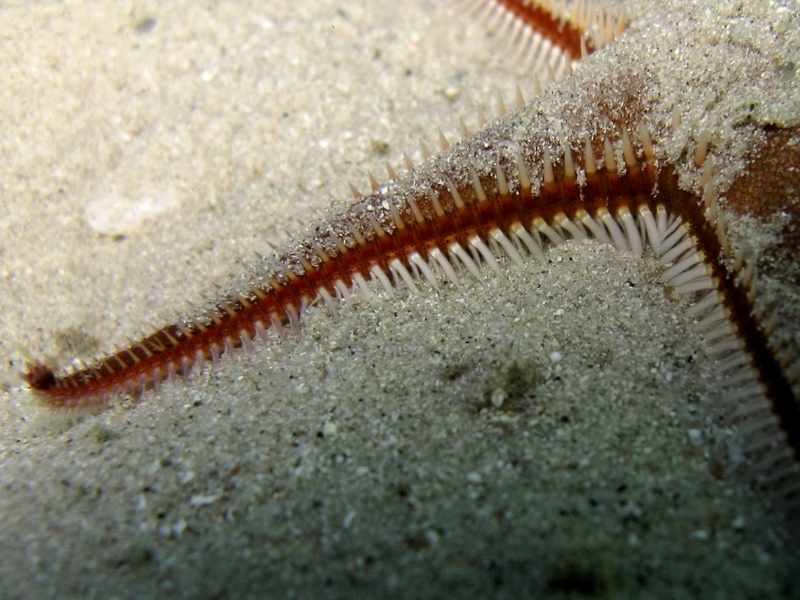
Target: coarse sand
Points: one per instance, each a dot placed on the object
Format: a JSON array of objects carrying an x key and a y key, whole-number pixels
[{"x": 558, "y": 432}]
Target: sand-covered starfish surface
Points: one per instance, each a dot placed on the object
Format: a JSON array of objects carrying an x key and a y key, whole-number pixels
[{"x": 573, "y": 369}]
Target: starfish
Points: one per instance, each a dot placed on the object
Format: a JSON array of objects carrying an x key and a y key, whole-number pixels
[
  {"x": 497, "y": 188},
  {"x": 527, "y": 153}
]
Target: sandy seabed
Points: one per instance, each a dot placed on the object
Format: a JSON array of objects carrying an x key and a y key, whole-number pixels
[{"x": 556, "y": 433}]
